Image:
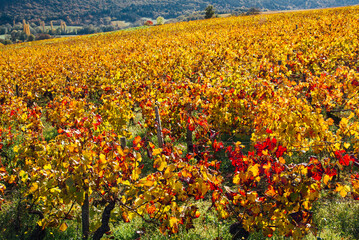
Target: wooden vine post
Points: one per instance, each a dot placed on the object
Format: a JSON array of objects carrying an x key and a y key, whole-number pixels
[
  {"x": 17, "y": 90},
  {"x": 189, "y": 141},
  {"x": 123, "y": 142},
  {"x": 85, "y": 211},
  {"x": 189, "y": 134},
  {"x": 159, "y": 128}
]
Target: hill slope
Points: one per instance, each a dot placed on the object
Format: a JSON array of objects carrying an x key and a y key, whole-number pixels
[{"x": 80, "y": 11}]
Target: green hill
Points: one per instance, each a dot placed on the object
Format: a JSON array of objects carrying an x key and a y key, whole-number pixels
[{"x": 91, "y": 11}]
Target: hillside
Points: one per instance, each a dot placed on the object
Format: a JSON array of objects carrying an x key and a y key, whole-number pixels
[
  {"x": 245, "y": 126},
  {"x": 91, "y": 11}
]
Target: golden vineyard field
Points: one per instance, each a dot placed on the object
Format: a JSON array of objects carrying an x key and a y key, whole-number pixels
[{"x": 288, "y": 82}]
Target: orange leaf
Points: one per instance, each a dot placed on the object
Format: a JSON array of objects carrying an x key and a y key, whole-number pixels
[
  {"x": 137, "y": 140},
  {"x": 63, "y": 227}
]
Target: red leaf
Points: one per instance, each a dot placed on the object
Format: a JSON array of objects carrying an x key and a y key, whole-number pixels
[
  {"x": 191, "y": 127},
  {"x": 330, "y": 172},
  {"x": 136, "y": 141},
  {"x": 280, "y": 151},
  {"x": 315, "y": 169},
  {"x": 217, "y": 146},
  {"x": 343, "y": 160},
  {"x": 355, "y": 82}
]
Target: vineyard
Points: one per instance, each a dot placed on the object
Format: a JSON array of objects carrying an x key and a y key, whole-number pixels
[{"x": 256, "y": 115}]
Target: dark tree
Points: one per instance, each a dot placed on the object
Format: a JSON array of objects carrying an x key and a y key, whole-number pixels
[
  {"x": 253, "y": 11},
  {"x": 209, "y": 12},
  {"x": 31, "y": 38}
]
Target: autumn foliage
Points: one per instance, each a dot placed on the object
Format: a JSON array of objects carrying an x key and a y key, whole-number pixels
[{"x": 288, "y": 82}]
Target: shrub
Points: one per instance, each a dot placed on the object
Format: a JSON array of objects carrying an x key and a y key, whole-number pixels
[
  {"x": 31, "y": 38},
  {"x": 209, "y": 12},
  {"x": 42, "y": 36},
  {"x": 148, "y": 23},
  {"x": 7, "y": 42},
  {"x": 3, "y": 30},
  {"x": 160, "y": 20},
  {"x": 253, "y": 11}
]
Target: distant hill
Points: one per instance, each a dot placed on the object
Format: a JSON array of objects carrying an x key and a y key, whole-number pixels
[{"x": 92, "y": 11}]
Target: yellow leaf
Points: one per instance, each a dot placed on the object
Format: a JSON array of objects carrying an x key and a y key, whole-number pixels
[
  {"x": 281, "y": 160},
  {"x": 303, "y": 170},
  {"x": 346, "y": 145},
  {"x": 34, "y": 187},
  {"x": 306, "y": 205},
  {"x": 156, "y": 151},
  {"x": 63, "y": 227},
  {"x": 160, "y": 163},
  {"x": 148, "y": 183},
  {"x": 326, "y": 179},
  {"x": 185, "y": 173},
  {"x": 138, "y": 202},
  {"x": 136, "y": 173},
  {"x": 102, "y": 159},
  {"x": 252, "y": 196},
  {"x": 151, "y": 145},
  {"x": 131, "y": 215},
  {"x": 236, "y": 179},
  {"x": 2, "y": 188},
  {"x": 23, "y": 175},
  {"x": 16, "y": 148},
  {"x": 178, "y": 188},
  {"x": 40, "y": 222},
  {"x": 270, "y": 192},
  {"x": 223, "y": 214},
  {"x": 56, "y": 189},
  {"x": 330, "y": 121},
  {"x": 337, "y": 146},
  {"x": 47, "y": 167},
  {"x": 24, "y": 116},
  {"x": 124, "y": 182},
  {"x": 12, "y": 179},
  {"x": 351, "y": 115},
  {"x": 162, "y": 166},
  {"x": 71, "y": 148},
  {"x": 343, "y": 190},
  {"x": 120, "y": 151},
  {"x": 65, "y": 164},
  {"x": 169, "y": 171},
  {"x": 254, "y": 169},
  {"x": 344, "y": 122},
  {"x": 173, "y": 221}
]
